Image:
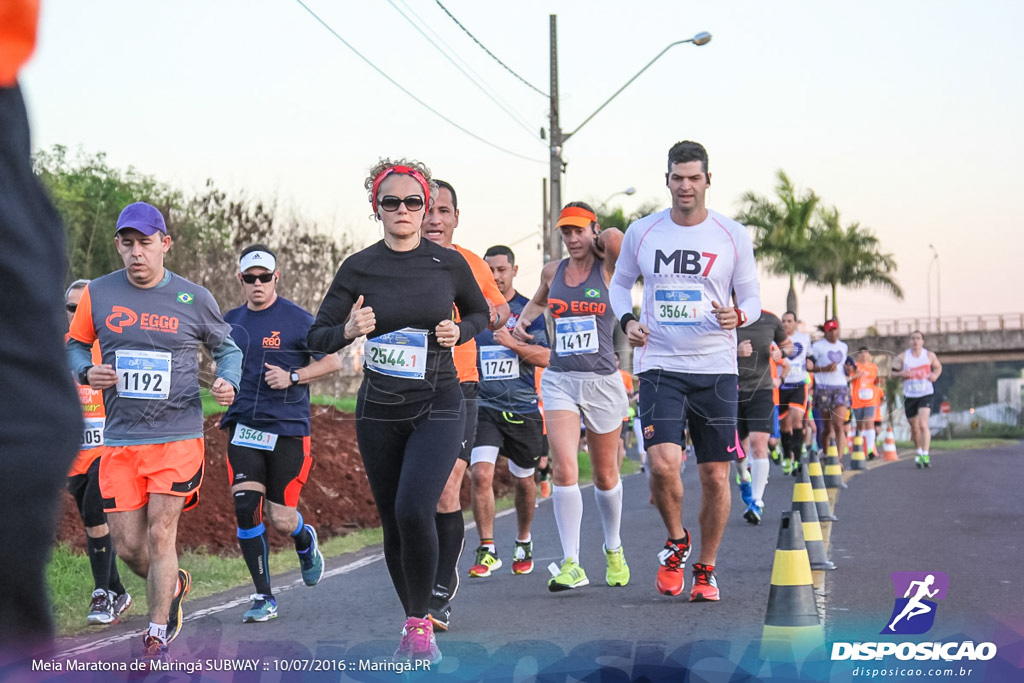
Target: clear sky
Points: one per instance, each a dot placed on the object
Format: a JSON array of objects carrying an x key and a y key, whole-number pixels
[{"x": 905, "y": 115}]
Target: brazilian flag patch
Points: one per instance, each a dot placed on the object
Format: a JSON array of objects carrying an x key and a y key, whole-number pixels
[
  {"x": 185, "y": 298},
  {"x": 592, "y": 293}
]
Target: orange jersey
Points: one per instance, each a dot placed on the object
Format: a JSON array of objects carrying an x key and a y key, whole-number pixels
[
  {"x": 863, "y": 392},
  {"x": 94, "y": 413},
  {"x": 18, "y": 19},
  {"x": 465, "y": 353},
  {"x": 775, "y": 376}
]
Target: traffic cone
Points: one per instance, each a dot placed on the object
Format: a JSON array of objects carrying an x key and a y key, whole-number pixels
[
  {"x": 889, "y": 447},
  {"x": 803, "y": 502},
  {"x": 818, "y": 485},
  {"x": 792, "y": 627},
  {"x": 857, "y": 459},
  {"x": 833, "y": 470}
]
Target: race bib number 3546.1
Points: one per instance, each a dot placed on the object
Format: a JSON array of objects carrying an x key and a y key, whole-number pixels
[
  {"x": 402, "y": 353},
  {"x": 143, "y": 374}
]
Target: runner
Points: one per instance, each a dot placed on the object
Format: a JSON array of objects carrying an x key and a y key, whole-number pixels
[
  {"x": 919, "y": 368},
  {"x": 410, "y": 411},
  {"x": 510, "y": 421},
  {"x": 827, "y": 360},
  {"x": 756, "y": 408},
  {"x": 438, "y": 226},
  {"x": 692, "y": 260},
  {"x": 582, "y": 380},
  {"x": 793, "y": 394},
  {"x": 864, "y": 398},
  {"x": 149, "y": 323},
  {"x": 109, "y": 598},
  {"x": 41, "y": 422},
  {"x": 268, "y": 425}
]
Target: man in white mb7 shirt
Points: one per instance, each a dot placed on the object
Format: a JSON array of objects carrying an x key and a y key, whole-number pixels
[{"x": 693, "y": 260}]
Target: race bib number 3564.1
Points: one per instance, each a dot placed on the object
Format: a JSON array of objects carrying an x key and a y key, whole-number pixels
[
  {"x": 402, "y": 353},
  {"x": 143, "y": 374},
  {"x": 678, "y": 305}
]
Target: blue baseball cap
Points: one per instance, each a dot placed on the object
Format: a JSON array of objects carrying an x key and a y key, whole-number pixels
[{"x": 143, "y": 217}]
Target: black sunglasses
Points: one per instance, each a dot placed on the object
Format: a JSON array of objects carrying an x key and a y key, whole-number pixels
[
  {"x": 251, "y": 279},
  {"x": 390, "y": 202},
  {"x": 71, "y": 307}
]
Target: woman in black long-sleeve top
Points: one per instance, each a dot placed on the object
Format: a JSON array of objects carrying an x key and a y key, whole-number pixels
[{"x": 400, "y": 293}]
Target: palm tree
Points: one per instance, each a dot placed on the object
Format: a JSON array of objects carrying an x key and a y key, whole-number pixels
[
  {"x": 781, "y": 226},
  {"x": 847, "y": 256}
]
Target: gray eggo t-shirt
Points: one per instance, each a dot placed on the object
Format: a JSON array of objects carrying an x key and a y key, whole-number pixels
[{"x": 151, "y": 337}]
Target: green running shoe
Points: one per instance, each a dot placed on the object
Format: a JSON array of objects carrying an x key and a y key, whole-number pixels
[
  {"x": 618, "y": 571},
  {"x": 570, "y": 576}
]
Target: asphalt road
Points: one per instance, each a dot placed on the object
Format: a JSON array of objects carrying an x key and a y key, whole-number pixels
[{"x": 960, "y": 517}]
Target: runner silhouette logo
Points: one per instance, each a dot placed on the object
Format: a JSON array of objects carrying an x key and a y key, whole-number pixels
[{"x": 915, "y": 606}]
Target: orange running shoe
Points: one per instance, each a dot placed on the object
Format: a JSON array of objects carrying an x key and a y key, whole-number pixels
[
  {"x": 672, "y": 572},
  {"x": 705, "y": 585}
]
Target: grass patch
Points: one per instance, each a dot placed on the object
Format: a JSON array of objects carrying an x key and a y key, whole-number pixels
[
  {"x": 346, "y": 404},
  {"x": 960, "y": 444}
]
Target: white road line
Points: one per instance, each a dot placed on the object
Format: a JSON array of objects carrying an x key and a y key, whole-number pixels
[{"x": 113, "y": 640}]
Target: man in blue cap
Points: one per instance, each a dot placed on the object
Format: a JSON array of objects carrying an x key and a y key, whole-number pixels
[{"x": 149, "y": 323}]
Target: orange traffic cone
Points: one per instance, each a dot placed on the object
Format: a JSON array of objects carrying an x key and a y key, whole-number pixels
[{"x": 889, "y": 447}]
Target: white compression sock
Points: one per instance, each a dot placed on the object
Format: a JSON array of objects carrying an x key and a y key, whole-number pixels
[
  {"x": 869, "y": 440},
  {"x": 759, "y": 477},
  {"x": 568, "y": 503},
  {"x": 610, "y": 504}
]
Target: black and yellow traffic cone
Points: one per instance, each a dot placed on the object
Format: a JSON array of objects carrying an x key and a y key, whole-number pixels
[
  {"x": 803, "y": 502},
  {"x": 820, "y": 493},
  {"x": 792, "y": 626},
  {"x": 857, "y": 459},
  {"x": 833, "y": 469}
]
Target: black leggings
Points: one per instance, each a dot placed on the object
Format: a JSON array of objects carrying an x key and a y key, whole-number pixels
[{"x": 408, "y": 453}]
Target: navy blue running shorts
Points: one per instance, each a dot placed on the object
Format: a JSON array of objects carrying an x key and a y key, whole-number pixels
[{"x": 706, "y": 403}]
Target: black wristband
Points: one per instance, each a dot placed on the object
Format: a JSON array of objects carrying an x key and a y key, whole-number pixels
[
  {"x": 83, "y": 376},
  {"x": 624, "y": 320}
]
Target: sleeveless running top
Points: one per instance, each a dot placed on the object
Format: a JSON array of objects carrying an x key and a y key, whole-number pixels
[
  {"x": 917, "y": 384},
  {"x": 584, "y": 323}
]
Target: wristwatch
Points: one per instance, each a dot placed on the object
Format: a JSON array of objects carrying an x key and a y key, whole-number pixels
[
  {"x": 83, "y": 376},
  {"x": 294, "y": 377}
]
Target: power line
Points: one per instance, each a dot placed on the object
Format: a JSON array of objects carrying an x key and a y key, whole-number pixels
[
  {"x": 506, "y": 67},
  {"x": 532, "y": 130},
  {"x": 407, "y": 92}
]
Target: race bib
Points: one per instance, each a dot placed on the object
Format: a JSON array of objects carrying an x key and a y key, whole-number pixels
[
  {"x": 92, "y": 435},
  {"x": 866, "y": 394},
  {"x": 253, "y": 438},
  {"x": 916, "y": 387},
  {"x": 143, "y": 374},
  {"x": 498, "y": 362},
  {"x": 402, "y": 353},
  {"x": 576, "y": 335},
  {"x": 679, "y": 304}
]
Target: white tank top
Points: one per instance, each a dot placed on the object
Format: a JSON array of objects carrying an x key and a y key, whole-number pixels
[{"x": 916, "y": 382}]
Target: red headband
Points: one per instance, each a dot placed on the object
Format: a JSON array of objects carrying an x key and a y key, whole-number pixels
[{"x": 400, "y": 169}]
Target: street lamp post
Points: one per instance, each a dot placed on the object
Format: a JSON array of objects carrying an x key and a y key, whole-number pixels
[
  {"x": 554, "y": 244},
  {"x": 938, "y": 288}
]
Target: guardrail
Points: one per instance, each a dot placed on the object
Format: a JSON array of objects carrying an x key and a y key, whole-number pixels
[{"x": 945, "y": 325}]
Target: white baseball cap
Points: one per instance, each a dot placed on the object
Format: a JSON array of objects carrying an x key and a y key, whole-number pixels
[{"x": 253, "y": 259}]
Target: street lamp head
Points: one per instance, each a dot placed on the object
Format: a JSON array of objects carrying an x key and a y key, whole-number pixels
[
  {"x": 702, "y": 38},
  {"x": 629, "y": 191}
]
